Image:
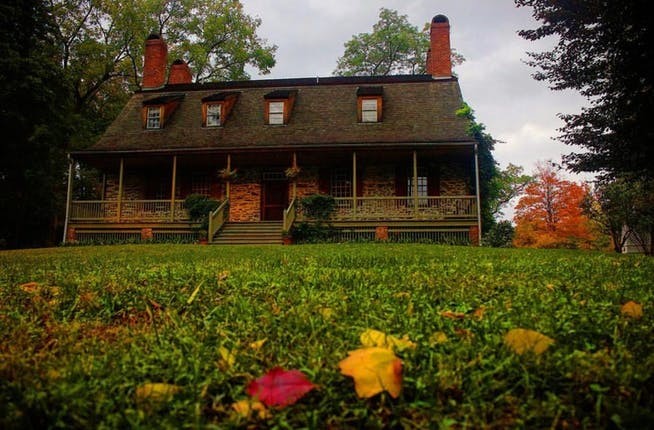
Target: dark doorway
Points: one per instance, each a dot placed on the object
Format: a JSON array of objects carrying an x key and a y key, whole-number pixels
[{"x": 274, "y": 198}]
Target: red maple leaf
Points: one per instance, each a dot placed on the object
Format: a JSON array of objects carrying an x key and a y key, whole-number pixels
[{"x": 280, "y": 387}]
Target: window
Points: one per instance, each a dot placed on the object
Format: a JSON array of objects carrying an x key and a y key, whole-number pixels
[
  {"x": 200, "y": 182},
  {"x": 275, "y": 112},
  {"x": 214, "y": 115},
  {"x": 154, "y": 117},
  {"x": 341, "y": 183},
  {"x": 423, "y": 184},
  {"x": 369, "y": 110},
  {"x": 369, "y": 104}
]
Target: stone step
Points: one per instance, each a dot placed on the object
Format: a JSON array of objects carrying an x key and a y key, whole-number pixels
[{"x": 250, "y": 233}]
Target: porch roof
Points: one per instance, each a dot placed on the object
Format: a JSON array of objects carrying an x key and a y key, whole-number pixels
[{"x": 416, "y": 109}]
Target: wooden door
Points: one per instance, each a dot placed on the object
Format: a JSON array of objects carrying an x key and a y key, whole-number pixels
[{"x": 274, "y": 200}]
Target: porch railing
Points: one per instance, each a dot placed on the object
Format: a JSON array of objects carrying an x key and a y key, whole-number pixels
[
  {"x": 406, "y": 208},
  {"x": 130, "y": 211},
  {"x": 218, "y": 218},
  {"x": 289, "y": 216}
]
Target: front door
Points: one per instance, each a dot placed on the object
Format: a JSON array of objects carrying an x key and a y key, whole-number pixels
[{"x": 274, "y": 199}]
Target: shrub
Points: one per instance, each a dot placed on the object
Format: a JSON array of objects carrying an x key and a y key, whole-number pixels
[
  {"x": 500, "y": 235},
  {"x": 199, "y": 207}
]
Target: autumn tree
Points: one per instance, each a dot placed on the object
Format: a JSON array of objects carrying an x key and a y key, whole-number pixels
[
  {"x": 604, "y": 51},
  {"x": 550, "y": 213},
  {"x": 507, "y": 184},
  {"x": 394, "y": 47}
]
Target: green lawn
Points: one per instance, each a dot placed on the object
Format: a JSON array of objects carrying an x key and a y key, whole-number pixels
[{"x": 82, "y": 327}]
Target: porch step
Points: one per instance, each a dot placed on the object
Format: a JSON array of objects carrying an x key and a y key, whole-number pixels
[{"x": 250, "y": 233}]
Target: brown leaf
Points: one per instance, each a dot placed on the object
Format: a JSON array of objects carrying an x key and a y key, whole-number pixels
[
  {"x": 453, "y": 315},
  {"x": 632, "y": 309}
]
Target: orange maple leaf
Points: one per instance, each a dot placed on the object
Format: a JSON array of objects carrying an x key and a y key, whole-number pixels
[{"x": 374, "y": 370}]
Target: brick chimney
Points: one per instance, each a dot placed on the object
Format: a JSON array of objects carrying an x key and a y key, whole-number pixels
[
  {"x": 180, "y": 73},
  {"x": 439, "y": 62},
  {"x": 155, "y": 62}
]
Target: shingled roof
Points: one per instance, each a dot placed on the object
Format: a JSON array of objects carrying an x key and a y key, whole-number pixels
[{"x": 416, "y": 109}]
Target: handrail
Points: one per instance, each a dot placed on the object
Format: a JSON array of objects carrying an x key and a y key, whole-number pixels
[
  {"x": 218, "y": 218},
  {"x": 289, "y": 216}
]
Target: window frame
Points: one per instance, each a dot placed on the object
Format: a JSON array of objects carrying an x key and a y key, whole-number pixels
[
  {"x": 205, "y": 114},
  {"x": 282, "y": 115},
  {"x": 148, "y": 118},
  {"x": 360, "y": 111}
]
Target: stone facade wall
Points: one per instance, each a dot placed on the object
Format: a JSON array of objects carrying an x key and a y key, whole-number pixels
[
  {"x": 455, "y": 179},
  {"x": 378, "y": 181},
  {"x": 245, "y": 197},
  {"x": 307, "y": 183},
  {"x": 133, "y": 187}
]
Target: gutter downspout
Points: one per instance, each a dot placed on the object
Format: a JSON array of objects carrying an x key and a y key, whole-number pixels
[
  {"x": 478, "y": 195},
  {"x": 69, "y": 196}
]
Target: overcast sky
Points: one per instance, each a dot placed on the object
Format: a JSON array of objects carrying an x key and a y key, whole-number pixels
[{"x": 495, "y": 82}]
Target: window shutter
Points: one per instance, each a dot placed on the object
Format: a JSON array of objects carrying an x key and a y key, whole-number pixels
[
  {"x": 434, "y": 180},
  {"x": 400, "y": 181},
  {"x": 324, "y": 181}
]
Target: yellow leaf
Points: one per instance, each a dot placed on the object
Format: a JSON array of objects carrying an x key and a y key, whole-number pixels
[
  {"x": 438, "y": 338},
  {"x": 156, "y": 392},
  {"x": 258, "y": 344},
  {"x": 632, "y": 309},
  {"x": 30, "y": 287},
  {"x": 521, "y": 340},
  {"x": 371, "y": 338},
  {"x": 327, "y": 313},
  {"x": 374, "y": 370},
  {"x": 251, "y": 408},
  {"x": 227, "y": 358}
]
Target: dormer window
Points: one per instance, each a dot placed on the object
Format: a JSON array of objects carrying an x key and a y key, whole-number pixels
[
  {"x": 369, "y": 104},
  {"x": 157, "y": 112},
  {"x": 154, "y": 117},
  {"x": 217, "y": 107},
  {"x": 278, "y": 106},
  {"x": 275, "y": 112},
  {"x": 213, "y": 114}
]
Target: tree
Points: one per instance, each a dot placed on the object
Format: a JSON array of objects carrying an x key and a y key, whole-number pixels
[
  {"x": 550, "y": 214},
  {"x": 604, "y": 51},
  {"x": 394, "y": 47},
  {"x": 624, "y": 208},
  {"x": 507, "y": 184},
  {"x": 487, "y": 164},
  {"x": 500, "y": 235},
  {"x": 35, "y": 120}
]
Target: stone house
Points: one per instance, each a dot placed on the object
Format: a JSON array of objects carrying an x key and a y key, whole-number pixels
[{"x": 390, "y": 150}]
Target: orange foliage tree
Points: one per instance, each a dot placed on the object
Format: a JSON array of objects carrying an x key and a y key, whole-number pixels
[{"x": 550, "y": 213}]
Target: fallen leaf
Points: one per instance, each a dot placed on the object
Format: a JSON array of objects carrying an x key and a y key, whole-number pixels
[
  {"x": 222, "y": 276},
  {"x": 632, "y": 309},
  {"x": 280, "y": 387},
  {"x": 251, "y": 409},
  {"x": 374, "y": 370},
  {"x": 327, "y": 313},
  {"x": 438, "y": 338},
  {"x": 30, "y": 287},
  {"x": 156, "y": 392},
  {"x": 521, "y": 340},
  {"x": 479, "y": 312},
  {"x": 372, "y": 338},
  {"x": 256, "y": 345},
  {"x": 453, "y": 315},
  {"x": 464, "y": 333},
  {"x": 227, "y": 358}
]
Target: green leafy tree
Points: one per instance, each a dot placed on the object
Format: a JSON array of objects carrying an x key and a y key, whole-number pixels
[
  {"x": 624, "y": 208},
  {"x": 604, "y": 51},
  {"x": 34, "y": 118},
  {"x": 506, "y": 185},
  {"x": 500, "y": 235},
  {"x": 394, "y": 46},
  {"x": 487, "y": 165}
]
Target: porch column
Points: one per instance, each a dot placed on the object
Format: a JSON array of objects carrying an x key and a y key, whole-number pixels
[
  {"x": 172, "y": 189},
  {"x": 229, "y": 169},
  {"x": 477, "y": 193},
  {"x": 120, "y": 186},
  {"x": 69, "y": 196},
  {"x": 414, "y": 186},
  {"x": 354, "y": 183},
  {"x": 295, "y": 178}
]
